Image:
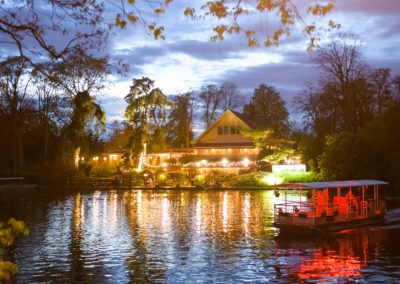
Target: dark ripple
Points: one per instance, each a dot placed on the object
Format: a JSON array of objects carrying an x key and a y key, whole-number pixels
[{"x": 185, "y": 237}]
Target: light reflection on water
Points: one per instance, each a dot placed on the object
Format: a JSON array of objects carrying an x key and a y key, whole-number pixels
[{"x": 182, "y": 236}]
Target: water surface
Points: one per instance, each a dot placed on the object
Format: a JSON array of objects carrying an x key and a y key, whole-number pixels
[{"x": 182, "y": 236}]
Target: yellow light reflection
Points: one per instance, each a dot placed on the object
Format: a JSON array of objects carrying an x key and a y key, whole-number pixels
[{"x": 225, "y": 212}]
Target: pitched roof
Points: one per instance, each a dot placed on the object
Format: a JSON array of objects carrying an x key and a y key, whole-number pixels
[
  {"x": 251, "y": 123},
  {"x": 240, "y": 116}
]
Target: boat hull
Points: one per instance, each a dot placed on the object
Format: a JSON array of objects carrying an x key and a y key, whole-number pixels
[{"x": 329, "y": 227}]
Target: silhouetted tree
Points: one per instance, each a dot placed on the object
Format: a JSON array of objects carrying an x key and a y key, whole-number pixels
[
  {"x": 267, "y": 108},
  {"x": 15, "y": 79},
  {"x": 180, "y": 120},
  {"x": 230, "y": 99},
  {"x": 210, "y": 97},
  {"x": 146, "y": 113}
]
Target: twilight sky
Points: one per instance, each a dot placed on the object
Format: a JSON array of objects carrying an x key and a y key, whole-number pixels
[{"x": 187, "y": 59}]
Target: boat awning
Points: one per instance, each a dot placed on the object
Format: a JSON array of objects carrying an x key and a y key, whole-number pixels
[{"x": 336, "y": 184}]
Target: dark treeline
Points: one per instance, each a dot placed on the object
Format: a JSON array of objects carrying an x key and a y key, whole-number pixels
[
  {"x": 48, "y": 117},
  {"x": 352, "y": 117},
  {"x": 154, "y": 123},
  {"x": 50, "y": 121}
]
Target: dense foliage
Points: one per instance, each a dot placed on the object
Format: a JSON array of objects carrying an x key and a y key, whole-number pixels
[
  {"x": 268, "y": 109},
  {"x": 8, "y": 232},
  {"x": 352, "y": 117}
]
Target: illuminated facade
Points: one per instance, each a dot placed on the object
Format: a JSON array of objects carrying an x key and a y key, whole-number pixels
[{"x": 224, "y": 138}]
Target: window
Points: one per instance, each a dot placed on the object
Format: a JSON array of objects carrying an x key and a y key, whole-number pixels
[{"x": 226, "y": 130}]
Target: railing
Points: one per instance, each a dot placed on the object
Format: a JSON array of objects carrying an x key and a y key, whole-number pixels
[{"x": 315, "y": 214}]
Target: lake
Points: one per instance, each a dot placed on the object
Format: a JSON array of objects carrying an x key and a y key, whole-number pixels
[{"x": 184, "y": 236}]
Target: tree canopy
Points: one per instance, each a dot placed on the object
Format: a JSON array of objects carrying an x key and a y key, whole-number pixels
[
  {"x": 230, "y": 17},
  {"x": 29, "y": 25},
  {"x": 267, "y": 108},
  {"x": 146, "y": 113}
]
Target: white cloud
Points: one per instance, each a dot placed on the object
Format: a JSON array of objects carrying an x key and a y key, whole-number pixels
[{"x": 179, "y": 72}]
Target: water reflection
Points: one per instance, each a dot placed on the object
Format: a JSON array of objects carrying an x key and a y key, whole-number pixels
[{"x": 185, "y": 236}]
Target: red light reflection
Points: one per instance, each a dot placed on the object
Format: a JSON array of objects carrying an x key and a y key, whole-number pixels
[{"x": 329, "y": 264}]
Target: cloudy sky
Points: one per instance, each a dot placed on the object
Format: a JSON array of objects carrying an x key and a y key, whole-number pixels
[{"x": 187, "y": 59}]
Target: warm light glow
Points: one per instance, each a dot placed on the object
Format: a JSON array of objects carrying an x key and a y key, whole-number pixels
[
  {"x": 224, "y": 162},
  {"x": 246, "y": 162},
  {"x": 288, "y": 168},
  {"x": 113, "y": 157},
  {"x": 271, "y": 179},
  {"x": 164, "y": 165},
  {"x": 203, "y": 162},
  {"x": 95, "y": 158}
]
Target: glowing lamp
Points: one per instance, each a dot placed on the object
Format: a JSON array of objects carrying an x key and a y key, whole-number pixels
[
  {"x": 272, "y": 179},
  {"x": 246, "y": 162},
  {"x": 224, "y": 162}
]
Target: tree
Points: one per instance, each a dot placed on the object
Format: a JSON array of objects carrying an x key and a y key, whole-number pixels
[
  {"x": 79, "y": 76},
  {"x": 8, "y": 232},
  {"x": 267, "y": 108},
  {"x": 396, "y": 89},
  {"x": 230, "y": 99},
  {"x": 146, "y": 113},
  {"x": 228, "y": 17},
  {"x": 28, "y": 25},
  {"x": 14, "y": 103},
  {"x": 381, "y": 84},
  {"x": 344, "y": 78},
  {"x": 87, "y": 120},
  {"x": 180, "y": 120},
  {"x": 211, "y": 100},
  {"x": 48, "y": 103}
]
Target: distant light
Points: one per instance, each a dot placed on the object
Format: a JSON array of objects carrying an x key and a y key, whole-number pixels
[
  {"x": 95, "y": 158},
  {"x": 271, "y": 179},
  {"x": 198, "y": 164},
  {"x": 203, "y": 162},
  {"x": 288, "y": 168},
  {"x": 224, "y": 162},
  {"x": 246, "y": 162},
  {"x": 164, "y": 165},
  {"x": 113, "y": 157}
]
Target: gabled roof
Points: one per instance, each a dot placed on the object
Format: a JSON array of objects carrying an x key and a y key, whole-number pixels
[
  {"x": 219, "y": 118},
  {"x": 251, "y": 123}
]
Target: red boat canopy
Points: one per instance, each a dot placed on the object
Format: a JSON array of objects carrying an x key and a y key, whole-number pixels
[{"x": 336, "y": 184}]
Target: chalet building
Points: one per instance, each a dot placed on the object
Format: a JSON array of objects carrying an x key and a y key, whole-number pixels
[{"x": 224, "y": 139}]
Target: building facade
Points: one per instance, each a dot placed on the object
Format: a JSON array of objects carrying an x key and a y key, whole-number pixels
[{"x": 224, "y": 139}]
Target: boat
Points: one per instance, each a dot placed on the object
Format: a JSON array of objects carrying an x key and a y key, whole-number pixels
[{"x": 331, "y": 206}]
